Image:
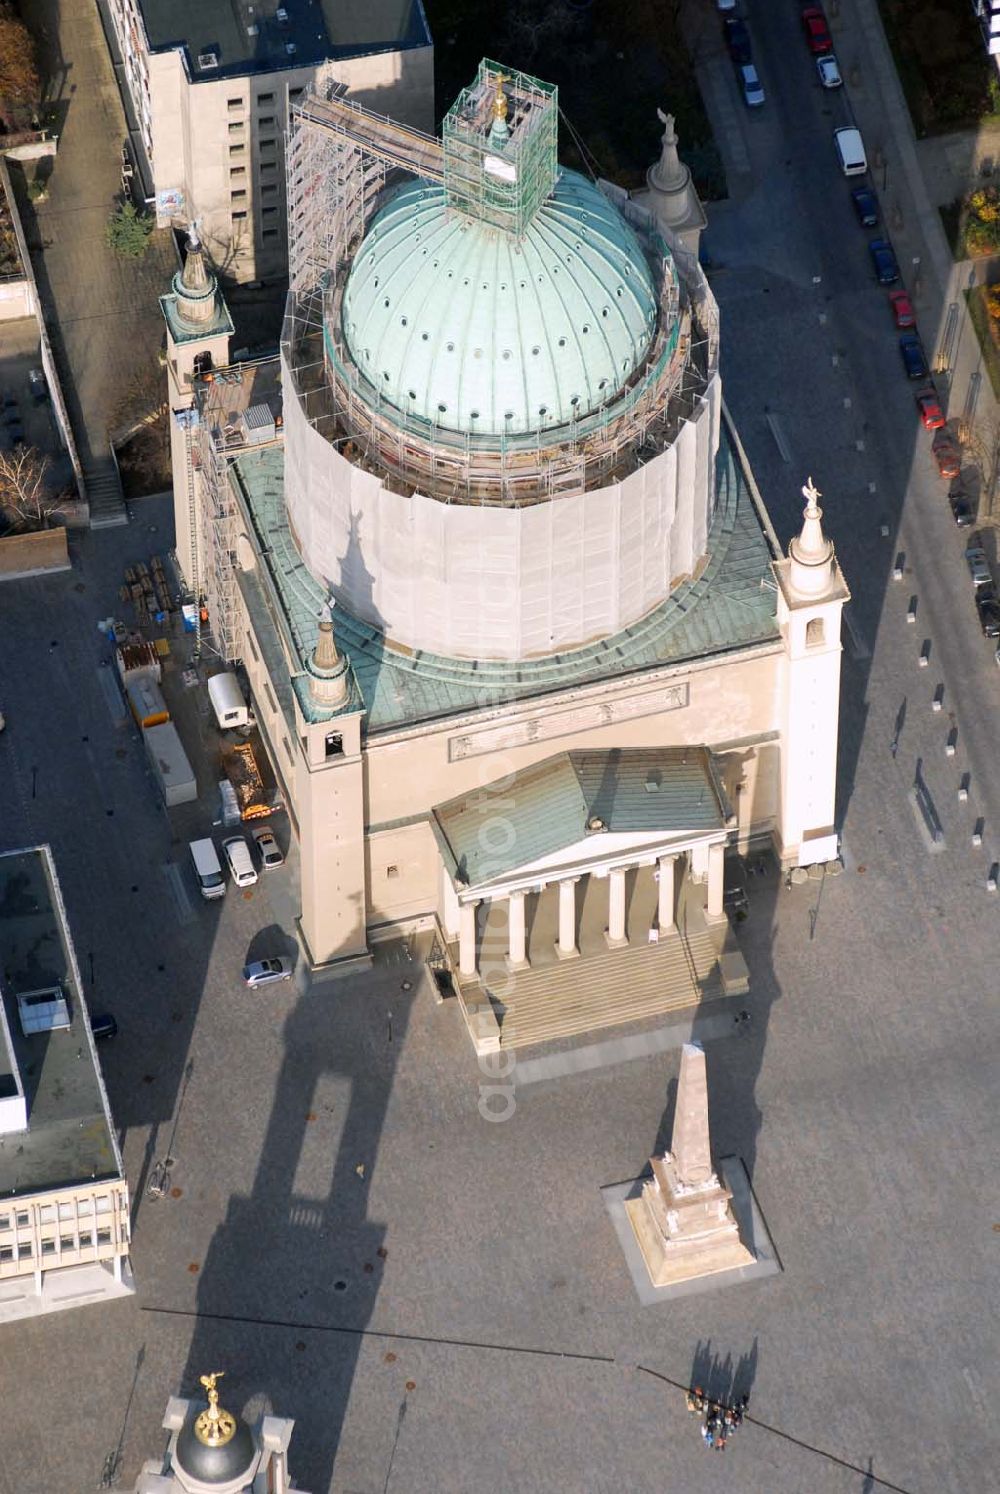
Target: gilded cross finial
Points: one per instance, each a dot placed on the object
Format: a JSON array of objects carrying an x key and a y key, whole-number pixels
[
  {"x": 214, "y": 1427},
  {"x": 812, "y": 495}
]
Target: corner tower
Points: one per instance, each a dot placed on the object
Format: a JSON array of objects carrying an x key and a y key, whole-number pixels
[{"x": 811, "y": 597}]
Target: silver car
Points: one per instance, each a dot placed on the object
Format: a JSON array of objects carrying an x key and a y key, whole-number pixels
[
  {"x": 266, "y": 972},
  {"x": 268, "y": 850},
  {"x": 829, "y": 71},
  {"x": 753, "y": 92}
]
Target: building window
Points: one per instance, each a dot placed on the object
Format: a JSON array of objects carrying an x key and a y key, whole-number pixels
[
  {"x": 253, "y": 648},
  {"x": 288, "y": 749},
  {"x": 236, "y": 128},
  {"x": 235, "y": 171},
  {"x": 238, "y": 196},
  {"x": 268, "y": 212},
  {"x": 269, "y": 233},
  {"x": 270, "y": 698},
  {"x": 392, "y": 871},
  {"x": 814, "y": 632},
  {"x": 333, "y": 744},
  {"x": 237, "y": 150},
  {"x": 265, "y": 121},
  {"x": 267, "y": 144},
  {"x": 269, "y": 190},
  {"x": 238, "y": 217},
  {"x": 234, "y": 103},
  {"x": 294, "y": 93},
  {"x": 264, "y": 98},
  {"x": 268, "y": 166}
]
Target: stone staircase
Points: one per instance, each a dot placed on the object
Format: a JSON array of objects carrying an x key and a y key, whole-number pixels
[
  {"x": 103, "y": 488},
  {"x": 607, "y": 990}
]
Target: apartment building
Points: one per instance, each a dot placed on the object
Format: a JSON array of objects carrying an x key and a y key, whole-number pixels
[
  {"x": 64, "y": 1206},
  {"x": 210, "y": 84}
]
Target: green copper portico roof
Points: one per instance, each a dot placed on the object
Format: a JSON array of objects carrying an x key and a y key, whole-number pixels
[
  {"x": 553, "y": 805},
  {"x": 475, "y": 329}
]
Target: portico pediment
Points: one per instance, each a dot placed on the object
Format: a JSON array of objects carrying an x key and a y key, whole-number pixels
[{"x": 580, "y": 811}]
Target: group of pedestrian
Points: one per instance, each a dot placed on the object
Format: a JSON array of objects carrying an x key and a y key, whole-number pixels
[{"x": 719, "y": 1421}]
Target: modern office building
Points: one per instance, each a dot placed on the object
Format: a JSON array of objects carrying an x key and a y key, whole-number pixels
[
  {"x": 518, "y": 631},
  {"x": 210, "y": 85},
  {"x": 64, "y": 1208}
]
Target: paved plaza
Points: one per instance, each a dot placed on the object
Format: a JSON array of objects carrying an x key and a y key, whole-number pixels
[
  {"x": 441, "y": 1301},
  {"x": 476, "y": 1261}
]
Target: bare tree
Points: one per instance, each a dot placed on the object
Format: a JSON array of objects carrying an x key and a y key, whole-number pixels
[
  {"x": 983, "y": 445},
  {"x": 27, "y": 497}
]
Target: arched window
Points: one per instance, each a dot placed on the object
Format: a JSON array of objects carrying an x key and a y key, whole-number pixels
[{"x": 814, "y": 632}]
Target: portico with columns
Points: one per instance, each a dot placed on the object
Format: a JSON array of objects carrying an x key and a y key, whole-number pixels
[{"x": 583, "y": 855}]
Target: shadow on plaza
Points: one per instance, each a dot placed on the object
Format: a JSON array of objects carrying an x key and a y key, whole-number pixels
[
  {"x": 292, "y": 1275},
  {"x": 720, "y": 1379}
]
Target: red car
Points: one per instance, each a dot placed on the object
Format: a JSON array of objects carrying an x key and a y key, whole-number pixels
[
  {"x": 948, "y": 457},
  {"x": 817, "y": 32},
  {"x": 931, "y": 414},
  {"x": 902, "y": 309}
]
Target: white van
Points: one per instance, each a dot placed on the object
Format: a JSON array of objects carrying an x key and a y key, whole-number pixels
[
  {"x": 850, "y": 150},
  {"x": 208, "y": 869},
  {"x": 241, "y": 866},
  {"x": 228, "y": 701}
]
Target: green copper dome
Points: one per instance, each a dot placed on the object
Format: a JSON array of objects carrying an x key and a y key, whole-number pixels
[{"x": 473, "y": 328}]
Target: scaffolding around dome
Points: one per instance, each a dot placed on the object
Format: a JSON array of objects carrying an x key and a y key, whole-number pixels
[{"x": 340, "y": 160}]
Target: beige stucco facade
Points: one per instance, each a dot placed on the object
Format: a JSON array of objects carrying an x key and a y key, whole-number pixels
[{"x": 216, "y": 144}]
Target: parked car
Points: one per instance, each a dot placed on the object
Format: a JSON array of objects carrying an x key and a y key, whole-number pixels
[
  {"x": 947, "y": 456},
  {"x": 988, "y": 608},
  {"x": 725, "y": 4},
  {"x": 737, "y": 40},
  {"x": 929, "y": 408},
  {"x": 902, "y": 309},
  {"x": 884, "y": 261},
  {"x": 817, "y": 32},
  {"x": 912, "y": 355},
  {"x": 268, "y": 850},
  {"x": 865, "y": 206},
  {"x": 753, "y": 93},
  {"x": 104, "y": 1026},
  {"x": 266, "y": 972},
  {"x": 241, "y": 867},
  {"x": 963, "y": 510},
  {"x": 828, "y": 69},
  {"x": 39, "y": 388},
  {"x": 975, "y": 559}
]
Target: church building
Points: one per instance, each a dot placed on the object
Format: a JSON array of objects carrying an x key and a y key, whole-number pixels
[{"x": 521, "y": 643}]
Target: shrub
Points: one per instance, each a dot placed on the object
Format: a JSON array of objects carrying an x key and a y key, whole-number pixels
[{"x": 128, "y": 232}]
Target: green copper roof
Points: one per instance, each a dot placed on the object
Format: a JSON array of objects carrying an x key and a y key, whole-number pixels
[
  {"x": 547, "y": 806},
  {"x": 479, "y": 330},
  {"x": 731, "y": 605}
]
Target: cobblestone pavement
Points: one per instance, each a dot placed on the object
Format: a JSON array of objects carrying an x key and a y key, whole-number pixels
[{"x": 102, "y": 310}]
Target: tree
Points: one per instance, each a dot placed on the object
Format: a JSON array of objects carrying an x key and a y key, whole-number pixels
[
  {"x": 27, "y": 498},
  {"x": 127, "y": 231},
  {"x": 19, "y": 87}
]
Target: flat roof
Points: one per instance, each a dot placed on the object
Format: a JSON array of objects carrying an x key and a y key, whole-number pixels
[
  {"x": 730, "y": 605},
  {"x": 316, "y": 29},
  {"x": 70, "y": 1138}
]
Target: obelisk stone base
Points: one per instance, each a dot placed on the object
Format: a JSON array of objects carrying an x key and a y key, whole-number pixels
[{"x": 668, "y": 1265}]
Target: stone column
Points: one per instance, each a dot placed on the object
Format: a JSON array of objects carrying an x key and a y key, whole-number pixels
[
  {"x": 616, "y": 937},
  {"x": 716, "y": 877},
  {"x": 665, "y": 908},
  {"x": 516, "y": 955},
  {"x": 467, "y": 939},
  {"x": 449, "y": 906},
  {"x": 566, "y": 948}
]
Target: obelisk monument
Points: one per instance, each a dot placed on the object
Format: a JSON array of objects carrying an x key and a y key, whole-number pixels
[{"x": 683, "y": 1219}]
